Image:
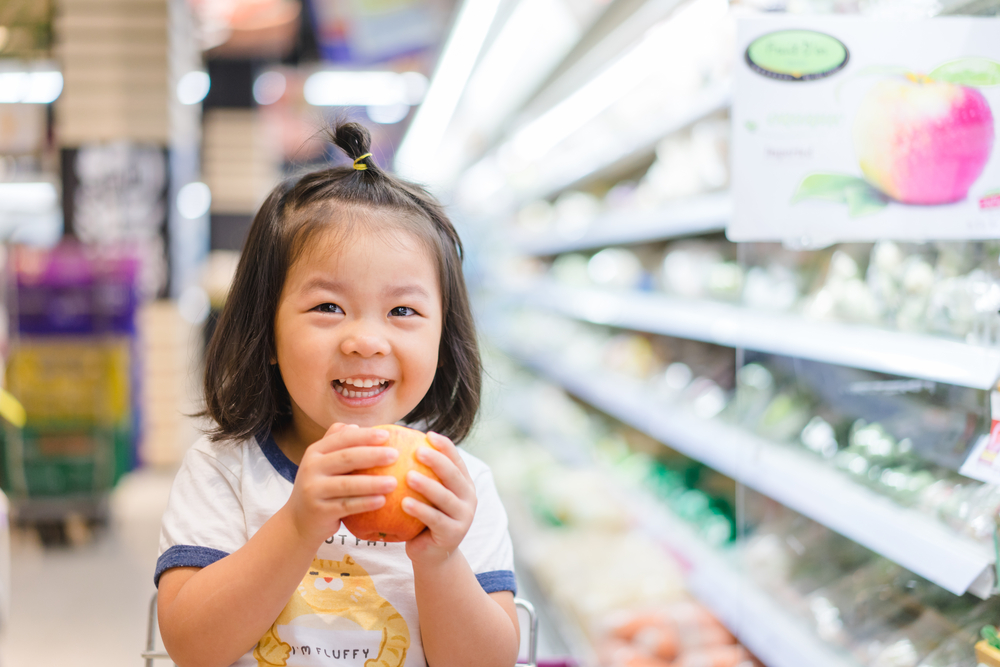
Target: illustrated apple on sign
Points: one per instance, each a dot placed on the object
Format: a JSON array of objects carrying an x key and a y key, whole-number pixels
[{"x": 919, "y": 139}]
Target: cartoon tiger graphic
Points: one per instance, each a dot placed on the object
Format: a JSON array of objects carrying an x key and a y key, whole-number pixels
[{"x": 339, "y": 588}]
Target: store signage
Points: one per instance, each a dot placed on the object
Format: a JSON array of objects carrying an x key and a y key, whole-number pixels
[
  {"x": 848, "y": 128},
  {"x": 796, "y": 55},
  {"x": 983, "y": 461}
]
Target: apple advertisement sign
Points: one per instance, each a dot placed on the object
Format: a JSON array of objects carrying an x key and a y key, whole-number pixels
[{"x": 849, "y": 128}]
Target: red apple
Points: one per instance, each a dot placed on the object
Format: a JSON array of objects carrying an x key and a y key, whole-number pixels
[{"x": 390, "y": 523}]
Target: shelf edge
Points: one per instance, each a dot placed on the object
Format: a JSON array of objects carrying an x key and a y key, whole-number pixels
[
  {"x": 905, "y": 536},
  {"x": 729, "y": 325}
]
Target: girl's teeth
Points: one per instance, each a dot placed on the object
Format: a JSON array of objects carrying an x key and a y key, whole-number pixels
[
  {"x": 344, "y": 391},
  {"x": 362, "y": 383}
]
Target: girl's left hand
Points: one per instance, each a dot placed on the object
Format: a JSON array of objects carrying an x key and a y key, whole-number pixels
[{"x": 452, "y": 501}]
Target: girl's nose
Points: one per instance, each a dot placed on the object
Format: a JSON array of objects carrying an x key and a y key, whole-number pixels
[{"x": 365, "y": 342}]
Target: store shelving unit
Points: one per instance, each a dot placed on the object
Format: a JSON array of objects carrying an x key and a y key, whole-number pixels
[
  {"x": 698, "y": 215},
  {"x": 591, "y": 159},
  {"x": 569, "y": 632},
  {"x": 596, "y": 158},
  {"x": 793, "y": 478},
  {"x": 899, "y": 353},
  {"x": 767, "y": 630}
]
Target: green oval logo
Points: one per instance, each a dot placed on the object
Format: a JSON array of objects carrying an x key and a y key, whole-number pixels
[{"x": 797, "y": 55}]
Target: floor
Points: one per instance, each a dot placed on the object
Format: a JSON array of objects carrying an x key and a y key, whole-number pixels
[{"x": 86, "y": 605}]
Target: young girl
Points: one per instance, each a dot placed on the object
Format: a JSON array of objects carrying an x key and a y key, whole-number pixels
[{"x": 348, "y": 310}]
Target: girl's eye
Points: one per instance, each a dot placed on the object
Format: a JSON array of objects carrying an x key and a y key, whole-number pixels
[
  {"x": 402, "y": 311},
  {"x": 328, "y": 308}
]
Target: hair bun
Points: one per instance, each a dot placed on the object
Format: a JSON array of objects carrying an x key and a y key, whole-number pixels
[{"x": 354, "y": 139}]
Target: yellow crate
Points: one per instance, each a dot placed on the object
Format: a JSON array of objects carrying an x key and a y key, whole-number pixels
[
  {"x": 62, "y": 378},
  {"x": 987, "y": 655}
]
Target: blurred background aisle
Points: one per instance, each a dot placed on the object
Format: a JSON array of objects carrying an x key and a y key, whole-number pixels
[{"x": 741, "y": 390}]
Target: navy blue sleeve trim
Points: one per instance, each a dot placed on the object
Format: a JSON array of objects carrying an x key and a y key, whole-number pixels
[
  {"x": 183, "y": 555},
  {"x": 498, "y": 580}
]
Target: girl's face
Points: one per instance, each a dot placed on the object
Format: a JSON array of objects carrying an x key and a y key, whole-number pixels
[{"x": 357, "y": 330}]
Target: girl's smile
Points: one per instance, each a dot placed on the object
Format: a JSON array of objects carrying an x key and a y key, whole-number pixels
[
  {"x": 361, "y": 388},
  {"x": 357, "y": 329}
]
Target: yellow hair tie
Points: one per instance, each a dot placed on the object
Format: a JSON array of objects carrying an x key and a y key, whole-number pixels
[{"x": 361, "y": 167}]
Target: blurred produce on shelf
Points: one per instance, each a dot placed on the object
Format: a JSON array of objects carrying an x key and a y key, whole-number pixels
[
  {"x": 575, "y": 483},
  {"x": 883, "y": 615},
  {"x": 571, "y": 524},
  {"x": 903, "y": 438},
  {"x": 680, "y": 634},
  {"x": 948, "y": 289}
]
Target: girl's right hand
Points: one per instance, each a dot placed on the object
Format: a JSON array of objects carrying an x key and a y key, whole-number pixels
[{"x": 325, "y": 491}]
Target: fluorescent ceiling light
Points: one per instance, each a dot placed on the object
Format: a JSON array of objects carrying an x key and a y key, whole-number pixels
[
  {"x": 194, "y": 200},
  {"x": 351, "y": 89},
  {"x": 684, "y": 31},
  {"x": 27, "y": 197},
  {"x": 527, "y": 48},
  {"x": 269, "y": 87},
  {"x": 457, "y": 60},
  {"x": 388, "y": 115},
  {"x": 30, "y": 87},
  {"x": 193, "y": 87}
]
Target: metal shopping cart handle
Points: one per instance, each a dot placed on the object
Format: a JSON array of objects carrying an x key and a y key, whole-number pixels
[{"x": 151, "y": 653}]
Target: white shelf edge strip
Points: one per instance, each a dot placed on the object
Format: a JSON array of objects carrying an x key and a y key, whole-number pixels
[
  {"x": 898, "y": 353},
  {"x": 700, "y": 215},
  {"x": 577, "y": 167},
  {"x": 917, "y": 542}
]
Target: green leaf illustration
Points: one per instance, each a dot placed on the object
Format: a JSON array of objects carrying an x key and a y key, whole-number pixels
[
  {"x": 971, "y": 71},
  {"x": 989, "y": 633},
  {"x": 859, "y": 195},
  {"x": 863, "y": 199}
]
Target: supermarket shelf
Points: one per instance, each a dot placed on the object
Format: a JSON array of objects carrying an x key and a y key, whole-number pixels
[
  {"x": 524, "y": 533},
  {"x": 899, "y": 353},
  {"x": 793, "y": 478},
  {"x": 700, "y": 215},
  {"x": 561, "y": 172},
  {"x": 760, "y": 624},
  {"x": 767, "y": 630}
]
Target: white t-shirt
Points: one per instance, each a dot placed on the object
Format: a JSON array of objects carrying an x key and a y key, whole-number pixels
[{"x": 356, "y": 602}]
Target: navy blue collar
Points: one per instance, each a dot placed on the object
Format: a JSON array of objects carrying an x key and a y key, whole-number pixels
[{"x": 281, "y": 463}]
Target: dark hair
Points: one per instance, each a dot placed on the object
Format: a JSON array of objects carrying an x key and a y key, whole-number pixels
[{"x": 244, "y": 392}]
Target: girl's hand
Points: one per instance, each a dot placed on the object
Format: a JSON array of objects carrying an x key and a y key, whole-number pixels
[
  {"x": 452, "y": 501},
  {"x": 325, "y": 492}
]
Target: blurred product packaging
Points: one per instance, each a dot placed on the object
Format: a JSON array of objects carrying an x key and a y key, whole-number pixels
[{"x": 72, "y": 364}]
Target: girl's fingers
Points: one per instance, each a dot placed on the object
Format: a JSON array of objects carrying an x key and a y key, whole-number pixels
[
  {"x": 440, "y": 497},
  {"x": 437, "y": 521},
  {"x": 452, "y": 476},
  {"x": 348, "y": 486},
  {"x": 349, "y": 436},
  {"x": 355, "y": 504},
  {"x": 344, "y": 461},
  {"x": 448, "y": 448}
]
